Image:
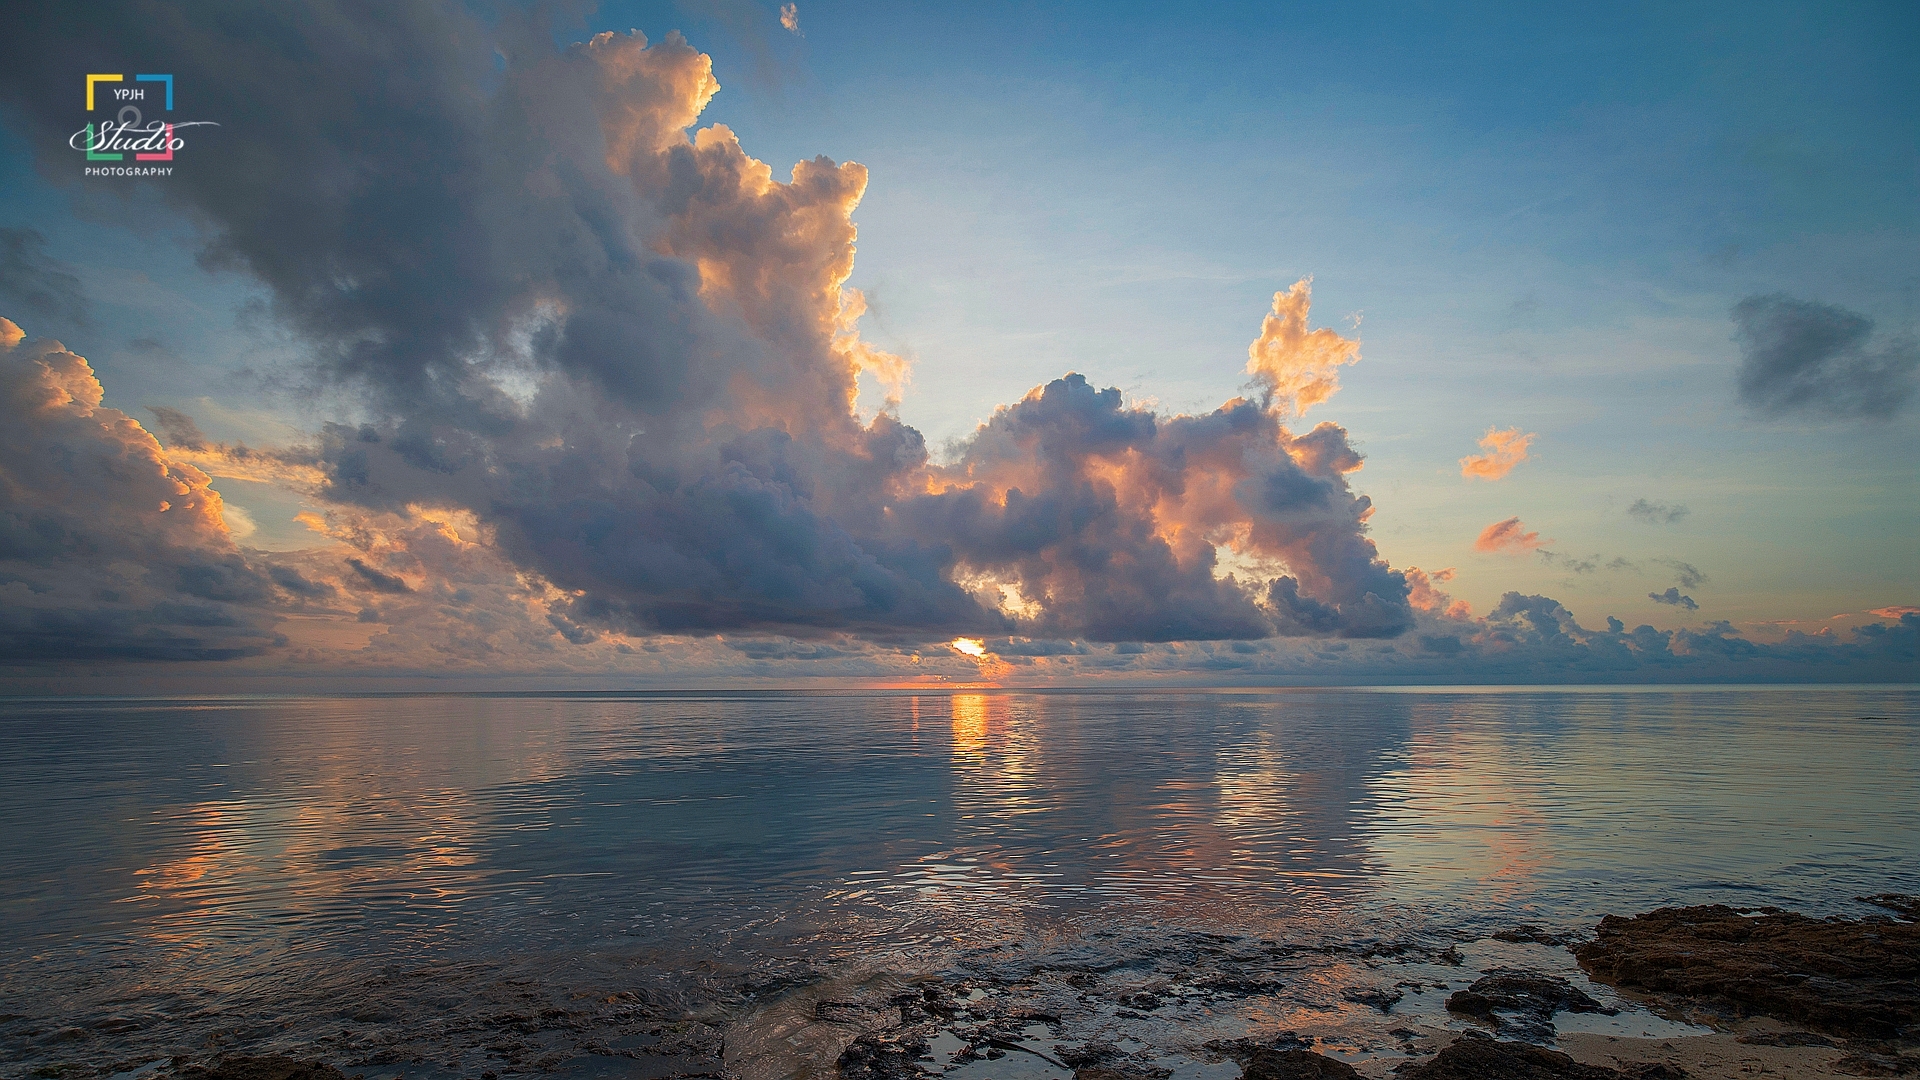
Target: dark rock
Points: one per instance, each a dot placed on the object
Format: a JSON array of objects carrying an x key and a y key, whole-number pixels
[
  {"x": 1529, "y": 933},
  {"x": 1132, "y": 1070},
  {"x": 1908, "y": 907},
  {"x": 1652, "y": 1070},
  {"x": 1877, "y": 1065},
  {"x": 1295, "y": 1064},
  {"x": 1243, "y": 1049},
  {"x": 1089, "y": 1054},
  {"x": 1489, "y": 1059},
  {"x": 1785, "y": 1038},
  {"x": 1521, "y": 1002},
  {"x": 270, "y": 1067},
  {"x": 1844, "y": 976},
  {"x": 877, "y": 1057},
  {"x": 1380, "y": 998}
]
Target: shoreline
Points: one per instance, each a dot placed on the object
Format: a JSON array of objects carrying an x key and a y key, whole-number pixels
[{"x": 1707, "y": 992}]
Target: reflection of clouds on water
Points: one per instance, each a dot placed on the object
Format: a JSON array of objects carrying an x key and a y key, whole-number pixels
[{"x": 307, "y": 845}]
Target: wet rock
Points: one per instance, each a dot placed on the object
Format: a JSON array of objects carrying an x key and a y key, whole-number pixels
[
  {"x": 1521, "y": 1002},
  {"x": 1877, "y": 1065},
  {"x": 1243, "y": 1049},
  {"x": 270, "y": 1067},
  {"x": 1089, "y": 1054},
  {"x": 1907, "y": 906},
  {"x": 879, "y": 1057},
  {"x": 1382, "y": 998},
  {"x": 1295, "y": 1064},
  {"x": 1532, "y": 934},
  {"x": 1845, "y": 976},
  {"x": 1490, "y": 1059}
]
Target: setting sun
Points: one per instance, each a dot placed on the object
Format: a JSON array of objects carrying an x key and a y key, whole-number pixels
[{"x": 970, "y": 646}]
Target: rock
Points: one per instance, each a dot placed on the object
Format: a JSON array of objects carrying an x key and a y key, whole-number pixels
[
  {"x": 1521, "y": 1002},
  {"x": 1381, "y": 998},
  {"x": 876, "y": 1057},
  {"x": 1908, "y": 907},
  {"x": 271, "y": 1067},
  {"x": 1488, "y": 1059},
  {"x": 1877, "y": 1065},
  {"x": 1844, "y": 976},
  {"x": 1529, "y": 933},
  {"x": 1295, "y": 1064}
]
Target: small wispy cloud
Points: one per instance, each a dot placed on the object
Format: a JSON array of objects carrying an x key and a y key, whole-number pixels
[
  {"x": 790, "y": 17},
  {"x": 1508, "y": 536},
  {"x": 1805, "y": 356},
  {"x": 1673, "y": 597},
  {"x": 1504, "y": 450},
  {"x": 1653, "y": 513}
]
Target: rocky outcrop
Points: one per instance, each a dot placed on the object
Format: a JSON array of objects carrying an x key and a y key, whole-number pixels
[{"x": 1849, "y": 977}]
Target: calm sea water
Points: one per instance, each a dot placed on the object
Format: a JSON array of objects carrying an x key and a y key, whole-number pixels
[{"x": 356, "y": 875}]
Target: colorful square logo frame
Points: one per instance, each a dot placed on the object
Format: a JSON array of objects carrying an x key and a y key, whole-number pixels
[{"x": 94, "y": 154}]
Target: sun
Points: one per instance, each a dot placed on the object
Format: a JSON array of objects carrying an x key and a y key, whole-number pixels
[{"x": 971, "y": 646}]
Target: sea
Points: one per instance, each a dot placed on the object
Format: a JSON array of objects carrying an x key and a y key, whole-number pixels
[{"x": 749, "y": 884}]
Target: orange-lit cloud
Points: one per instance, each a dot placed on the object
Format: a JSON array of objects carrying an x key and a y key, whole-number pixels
[
  {"x": 1897, "y": 611},
  {"x": 1298, "y": 367},
  {"x": 1508, "y": 536},
  {"x": 1504, "y": 450},
  {"x": 1424, "y": 594},
  {"x": 790, "y": 17}
]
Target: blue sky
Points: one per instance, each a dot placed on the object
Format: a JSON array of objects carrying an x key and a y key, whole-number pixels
[{"x": 1530, "y": 218}]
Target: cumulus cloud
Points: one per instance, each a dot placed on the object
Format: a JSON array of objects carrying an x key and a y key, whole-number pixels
[
  {"x": 34, "y": 283},
  {"x": 1504, "y": 450},
  {"x": 1805, "y": 356},
  {"x": 790, "y": 17},
  {"x": 1653, "y": 513},
  {"x": 1295, "y": 367},
  {"x": 628, "y": 350},
  {"x": 109, "y": 548},
  {"x": 1507, "y": 536},
  {"x": 1674, "y": 598}
]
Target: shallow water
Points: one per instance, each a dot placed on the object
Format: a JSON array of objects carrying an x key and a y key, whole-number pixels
[{"x": 385, "y": 879}]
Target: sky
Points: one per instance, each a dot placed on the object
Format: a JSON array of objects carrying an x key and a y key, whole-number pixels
[{"x": 1276, "y": 344}]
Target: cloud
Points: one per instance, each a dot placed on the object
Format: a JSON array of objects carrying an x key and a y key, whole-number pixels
[
  {"x": 1297, "y": 368},
  {"x": 1674, "y": 598},
  {"x": 790, "y": 17},
  {"x": 1804, "y": 356},
  {"x": 35, "y": 283},
  {"x": 629, "y": 352},
  {"x": 1504, "y": 450},
  {"x": 109, "y": 549},
  {"x": 1509, "y": 536},
  {"x": 1654, "y": 513},
  {"x": 1689, "y": 575},
  {"x": 1896, "y": 612}
]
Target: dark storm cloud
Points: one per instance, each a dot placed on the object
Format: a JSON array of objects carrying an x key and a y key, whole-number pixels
[
  {"x": 1654, "y": 513},
  {"x": 1800, "y": 355},
  {"x": 631, "y": 354},
  {"x": 33, "y": 284},
  {"x": 1673, "y": 597}
]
